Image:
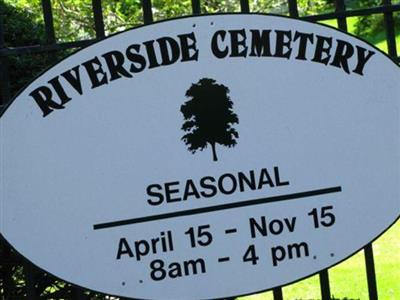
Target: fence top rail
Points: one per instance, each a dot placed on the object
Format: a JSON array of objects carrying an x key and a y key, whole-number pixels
[{"x": 11, "y": 51}]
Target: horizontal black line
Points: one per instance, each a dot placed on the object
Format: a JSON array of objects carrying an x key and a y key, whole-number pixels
[
  {"x": 203, "y": 210},
  {"x": 232, "y": 230},
  {"x": 223, "y": 259}
]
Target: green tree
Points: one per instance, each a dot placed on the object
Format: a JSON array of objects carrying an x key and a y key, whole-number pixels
[
  {"x": 22, "y": 29},
  {"x": 372, "y": 27},
  {"x": 73, "y": 19},
  {"x": 368, "y": 25}
]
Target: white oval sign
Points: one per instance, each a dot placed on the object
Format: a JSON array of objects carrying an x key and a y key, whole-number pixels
[{"x": 203, "y": 157}]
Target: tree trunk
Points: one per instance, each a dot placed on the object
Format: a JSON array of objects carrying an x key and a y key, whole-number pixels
[{"x": 214, "y": 152}]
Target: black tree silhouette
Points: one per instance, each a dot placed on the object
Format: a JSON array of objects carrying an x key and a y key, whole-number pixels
[{"x": 208, "y": 117}]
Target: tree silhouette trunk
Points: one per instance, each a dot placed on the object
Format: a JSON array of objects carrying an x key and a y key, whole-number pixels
[{"x": 215, "y": 158}]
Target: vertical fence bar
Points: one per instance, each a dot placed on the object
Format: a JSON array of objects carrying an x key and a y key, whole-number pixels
[
  {"x": 390, "y": 30},
  {"x": 6, "y": 270},
  {"x": 48, "y": 22},
  {"x": 2, "y": 38},
  {"x": 244, "y": 6},
  {"x": 293, "y": 9},
  {"x": 4, "y": 83},
  {"x": 370, "y": 268},
  {"x": 30, "y": 282},
  {"x": 324, "y": 285},
  {"x": 4, "y": 75},
  {"x": 277, "y": 292},
  {"x": 77, "y": 293},
  {"x": 147, "y": 12},
  {"x": 340, "y": 8},
  {"x": 196, "y": 8},
  {"x": 98, "y": 19}
]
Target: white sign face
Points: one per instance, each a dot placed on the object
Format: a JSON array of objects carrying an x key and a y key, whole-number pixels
[{"x": 203, "y": 157}]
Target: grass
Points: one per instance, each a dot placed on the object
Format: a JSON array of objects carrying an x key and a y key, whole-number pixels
[{"x": 348, "y": 279}]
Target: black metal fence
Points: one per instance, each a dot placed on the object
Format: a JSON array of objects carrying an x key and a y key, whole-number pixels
[{"x": 36, "y": 283}]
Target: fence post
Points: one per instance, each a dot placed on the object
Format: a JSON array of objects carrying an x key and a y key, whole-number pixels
[
  {"x": 244, "y": 6},
  {"x": 30, "y": 281},
  {"x": 293, "y": 9},
  {"x": 341, "y": 20},
  {"x": 277, "y": 292},
  {"x": 147, "y": 12},
  {"x": 370, "y": 268},
  {"x": 4, "y": 75},
  {"x": 324, "y": 285},
  {"x": 390, "y": 30},
  {"x": 196, "y": 9},
  {"x": 77, "y": 293},
  {"x": 98, "y": 18},
  {"x": 48, "y": 22}
]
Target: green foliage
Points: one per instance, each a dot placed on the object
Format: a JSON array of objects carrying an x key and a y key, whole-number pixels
[
  {"x": 164, "y": 9},
  {"x": 73, "y": 19},
  {"x": 220, "y": 6},
  {"x": 22, "y": 29},
  {"x": 368, "y": 25},
  {"x": 274, "y": 6},
  {"x": 372, "y": 25},
  {"x": 311, "y": 7},
  {"x": 305, "y": 7},
  {"x": 121, "y": 15}
]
